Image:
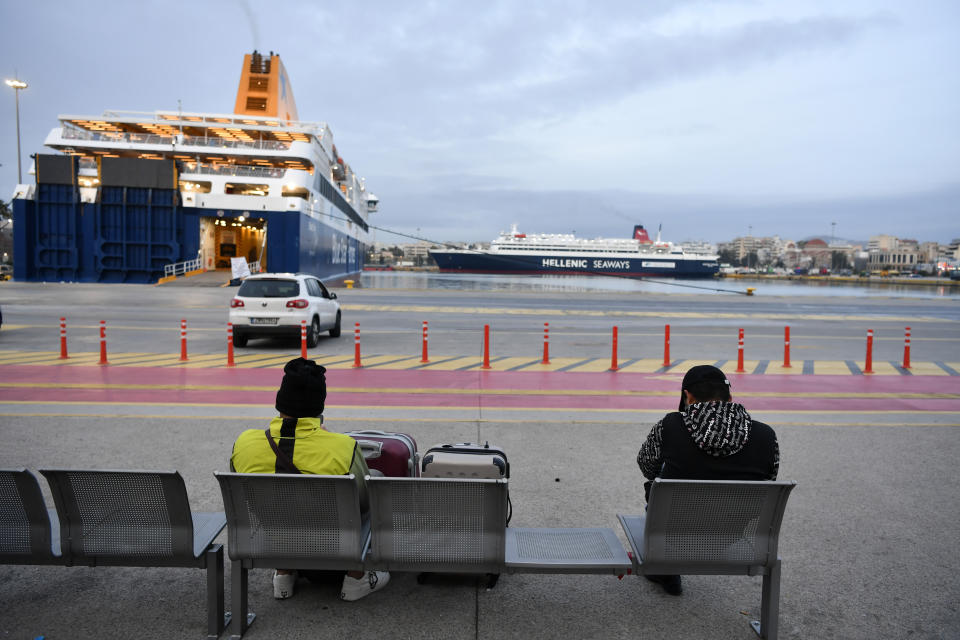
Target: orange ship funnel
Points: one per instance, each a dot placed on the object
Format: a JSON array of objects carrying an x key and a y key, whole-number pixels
[{"x": 265, "y": 88}]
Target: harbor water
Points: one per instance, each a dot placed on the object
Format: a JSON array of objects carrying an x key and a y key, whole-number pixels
[{"x": 582, "y": 284}]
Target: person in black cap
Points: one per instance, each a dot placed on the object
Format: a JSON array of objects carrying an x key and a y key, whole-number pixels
[
  {"x": 296, "y": 442},
  {"x": 710, "y": 437}
]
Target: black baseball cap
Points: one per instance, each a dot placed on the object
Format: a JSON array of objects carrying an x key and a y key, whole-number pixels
[{"x": 700, "y": 377}]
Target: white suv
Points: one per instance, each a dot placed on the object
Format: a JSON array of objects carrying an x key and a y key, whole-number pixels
[{"x": 274, "y": 304}]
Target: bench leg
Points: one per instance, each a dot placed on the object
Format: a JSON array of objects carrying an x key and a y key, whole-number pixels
[
  {"x": 241, "y": 617},
  {"x": 769, "y": 604},
  {"x": 216, "y": 620}
]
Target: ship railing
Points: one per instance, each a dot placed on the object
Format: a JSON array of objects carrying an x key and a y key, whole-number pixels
[
  {"x": 72, "y": 133},
  {"x": 112, "y": 136},
  {"x": 217, "y": 119},
  {"x": 180, "y": 268},
  {"x": 232, "y": 170},
  {"x": 198, "y": 141}
]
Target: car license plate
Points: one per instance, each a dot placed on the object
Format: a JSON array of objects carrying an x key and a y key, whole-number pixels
[{"x": 263, "y": 320}]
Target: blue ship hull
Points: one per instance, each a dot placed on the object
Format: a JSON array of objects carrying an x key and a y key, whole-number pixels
[
  {"x": 131, "y": 233},
  {"x": 630, "y": 267}
]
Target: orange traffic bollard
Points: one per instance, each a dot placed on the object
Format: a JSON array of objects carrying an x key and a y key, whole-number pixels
[
  {"x": 613, "y": 357},
  {"x": 786, "y": 347},
  {"x": 666, "y": 346},
  {"x": 486, "y": 347},
  {"x": 356, "y": 345},
  {"x": 424, "y": 357},
  {"x": 103, "y": 342},
  {"x": 868, "y": 365},
  {"x": 546, "y": 343},
  {"x": 303, "y": 339},
  {"x": 230, "y": 362},
  {"x": 740, "y": 368},
  {"x": 183, "y": 340},
  {"x": 63, "y": 338},
  {"x": 906, "y": 349}
]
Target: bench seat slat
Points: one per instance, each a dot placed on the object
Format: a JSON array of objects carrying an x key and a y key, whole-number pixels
[{"x": 568, "y": 550}]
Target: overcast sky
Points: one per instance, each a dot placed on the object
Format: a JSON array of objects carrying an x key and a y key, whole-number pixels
[{"x": 712, "y": 118}]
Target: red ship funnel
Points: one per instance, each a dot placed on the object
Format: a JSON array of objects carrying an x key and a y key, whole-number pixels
[{"x": 639, "y": 233}]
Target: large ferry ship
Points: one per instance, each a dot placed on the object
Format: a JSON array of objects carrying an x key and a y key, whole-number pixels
[
  {"x": 135, "y": 196},
  {"x": 521, "y": 253}
]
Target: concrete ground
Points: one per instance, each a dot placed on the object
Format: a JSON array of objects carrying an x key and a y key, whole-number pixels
[
  {"x": 868, "y": 542},
  {"x": 868, "y": 539}
]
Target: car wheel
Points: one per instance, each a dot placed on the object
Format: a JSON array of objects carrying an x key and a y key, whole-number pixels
[
  {"x": 313, "y": 333},
  {"x": 239, "y": 340},
  {"x": 335, "y": 332}
]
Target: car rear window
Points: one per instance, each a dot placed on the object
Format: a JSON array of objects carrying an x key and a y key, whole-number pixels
[{"x": 269, "y": 289}]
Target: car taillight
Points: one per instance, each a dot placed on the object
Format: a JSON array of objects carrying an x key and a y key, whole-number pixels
[
  {"x": 300, "y": 303},
  {"x": 236, "y": 302}
]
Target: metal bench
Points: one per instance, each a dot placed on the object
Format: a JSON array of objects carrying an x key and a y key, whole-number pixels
[
  {"x": 138, "y": 519},
  {"x": 459, "y": 526},
  {"x": 29, "y": 532},
  {"x": 290, "y": 521},
  {"x": 718, "y": 527}
]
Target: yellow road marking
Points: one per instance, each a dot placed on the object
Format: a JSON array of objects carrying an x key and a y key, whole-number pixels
[{"x": 486, "y": 392}]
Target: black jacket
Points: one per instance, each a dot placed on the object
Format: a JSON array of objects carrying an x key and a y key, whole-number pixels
[{"x": 710, "y": 441}]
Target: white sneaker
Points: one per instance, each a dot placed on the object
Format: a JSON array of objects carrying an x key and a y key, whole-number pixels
[
  {"x": 283, "y": 584},
  {"x": 356, "y": 588}
]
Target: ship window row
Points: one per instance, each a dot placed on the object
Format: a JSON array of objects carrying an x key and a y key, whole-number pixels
[
  {"x": 244, "y": 189},
  {"x": 329, "y": 192},
  {"x": 563, "y": 248}
]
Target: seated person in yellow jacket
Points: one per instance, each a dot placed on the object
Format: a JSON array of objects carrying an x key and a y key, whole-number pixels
[{"x": 298, "y": 443}]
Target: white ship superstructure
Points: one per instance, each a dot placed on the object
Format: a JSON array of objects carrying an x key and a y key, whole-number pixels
[{"x": 257, "y": 183}]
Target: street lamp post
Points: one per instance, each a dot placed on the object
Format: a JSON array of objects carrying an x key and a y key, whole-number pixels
[{"x": 17, "y": 85}]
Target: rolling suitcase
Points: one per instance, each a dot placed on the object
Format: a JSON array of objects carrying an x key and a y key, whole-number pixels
[
  {"x": 393, "y": 454},
  {"x": 465, "y": 460},
  {"x": 471, "y": 461}
]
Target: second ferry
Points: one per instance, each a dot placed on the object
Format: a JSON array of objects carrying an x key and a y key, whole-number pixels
[
  {"x": 133, "y": 197},
  {"x": 521, "y": 253}
]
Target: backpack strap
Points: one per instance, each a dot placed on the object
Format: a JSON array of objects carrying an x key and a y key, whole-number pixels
[{"x": 284, "y": 459}]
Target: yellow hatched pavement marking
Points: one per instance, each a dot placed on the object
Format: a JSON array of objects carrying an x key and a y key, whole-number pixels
[
  {"x": 407, "y": 363},
  {"x": 370, "y": 361},
  {"x": 505, "y": 364},
  {"x": 731, "y": 366},
  {"x": 12, "y": 357},
  {"x": 457, "y": 363},
  {"x": 594, "y": 366},
  {"x": 682, "y": 365},
  {"x": 555, "y": 364},
  {"x": 335, "y": 362},
  {"x": 926, "y": 369},
  {"x": 269, "y": 361},
  {"x": 645, "y": 365},
  {"x": 830, "y": 367},
  {"x": 202, "y": 361},
  {"x": 776, "y": 368},
  {"x": 881, "y": 368}
]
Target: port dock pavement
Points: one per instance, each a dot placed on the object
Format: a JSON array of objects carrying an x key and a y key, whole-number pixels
[{"x": 868, "y": 540}]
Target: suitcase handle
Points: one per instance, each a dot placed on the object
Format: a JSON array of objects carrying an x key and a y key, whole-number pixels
[{"x": 370, "y": 449}]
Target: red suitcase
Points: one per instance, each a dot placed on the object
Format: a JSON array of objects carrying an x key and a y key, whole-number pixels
[{"x": 393, "y": 454}]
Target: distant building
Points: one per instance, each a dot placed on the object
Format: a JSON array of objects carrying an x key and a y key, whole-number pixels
[{"x": 893, "y": 254}]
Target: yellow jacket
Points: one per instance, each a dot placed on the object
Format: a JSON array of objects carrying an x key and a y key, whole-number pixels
[{"x": 314, "y": 451}]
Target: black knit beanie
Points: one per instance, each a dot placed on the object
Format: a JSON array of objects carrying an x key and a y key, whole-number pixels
[
  {"x": 303, "y": 390},
  {"x": 704, "y": 381}
]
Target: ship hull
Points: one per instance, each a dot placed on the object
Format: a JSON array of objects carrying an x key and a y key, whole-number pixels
[
  {"x": 602, "y": 265},
  {"x": 132, "y": 233}
]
